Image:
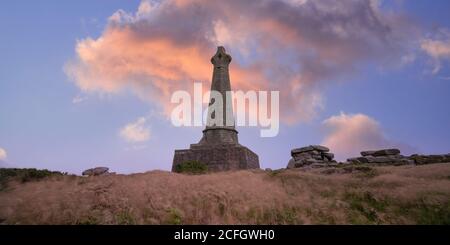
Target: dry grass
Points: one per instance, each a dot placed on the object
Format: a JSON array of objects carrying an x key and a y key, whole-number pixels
[{"x": 384, "y": 195}]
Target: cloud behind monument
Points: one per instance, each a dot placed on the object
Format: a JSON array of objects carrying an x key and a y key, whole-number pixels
[{"x": 292, "y": 46}]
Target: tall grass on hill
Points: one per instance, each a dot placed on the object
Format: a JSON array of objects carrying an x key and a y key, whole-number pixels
[{"x": 379, "y": 195}]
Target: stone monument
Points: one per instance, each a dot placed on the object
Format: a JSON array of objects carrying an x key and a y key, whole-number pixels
[{"x": 219, "y": 147}]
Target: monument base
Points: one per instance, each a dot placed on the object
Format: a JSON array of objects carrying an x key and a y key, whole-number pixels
[{"x": 218, "y": 157}]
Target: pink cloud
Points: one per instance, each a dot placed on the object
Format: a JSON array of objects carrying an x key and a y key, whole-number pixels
[
  {"x": 438, "y": 48},
  {"x": 291, "y": 46},
  {"x": 3, "y": 154},
  {"x": 349, "y": 134}
]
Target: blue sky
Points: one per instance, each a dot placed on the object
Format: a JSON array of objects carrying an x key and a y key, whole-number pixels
[{"x": 41, "y": 126}]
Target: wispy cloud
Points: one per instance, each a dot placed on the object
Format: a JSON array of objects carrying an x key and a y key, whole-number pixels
[
  {"x": 79, "y": 99},
  {"x": 288, "y": 45},
  {"x": 136, "y": 132},
  {"x": 438, "y": 49}
]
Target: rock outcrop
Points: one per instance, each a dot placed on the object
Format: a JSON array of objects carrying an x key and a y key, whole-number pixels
[
  {"x": 429, "y": 159},
  {"x": 96, "y": 171},
  {"x": 316, "y": 156},
  {"x": 381, "y": 157},
  {"x": 393, "y": 157},
  {"x": 312, "y": 156}
]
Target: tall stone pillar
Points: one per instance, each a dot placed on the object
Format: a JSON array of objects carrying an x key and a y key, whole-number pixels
[
  {"x": 219, "y": 147},
  {"x": 221, "y": 134}
]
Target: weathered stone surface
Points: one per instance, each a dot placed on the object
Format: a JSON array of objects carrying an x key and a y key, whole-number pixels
[
  {"x": 362, "y": 159},
  {"x": 219, "y": 157},
  {"x": 219, "y": 147},
  {"x": 301, "y": 155},
  {"x": 308, "y": 149},
  {"x": 367, "y": 153},
  {"x": 96, "y": 171},
  {"x": 315, "y": 152},
  {"x": 386, "y": 152},
  {"x": 393, "y": 157},
  {"x": 381, "y": 159},
  {"x": 312, "y": 161},
  {"x": 320, "y": 148},
  {"x": 429, "y": 159},
  {"x": 291, "y": 163},
  {"x": 317, "y": 157},
  {"x": 301, "y": 150},
  {"x": 309, "y": 155},
  {"x": 329, "y": 156}
]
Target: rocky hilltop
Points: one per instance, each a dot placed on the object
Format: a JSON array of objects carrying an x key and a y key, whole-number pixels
[{"x": 349, "y": 193}]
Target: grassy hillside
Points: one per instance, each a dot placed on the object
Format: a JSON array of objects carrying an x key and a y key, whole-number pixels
[{"x": 366, "y": 195}]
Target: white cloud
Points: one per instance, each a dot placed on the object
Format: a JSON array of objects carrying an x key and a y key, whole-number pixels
[
  {"x": 349, "y": 134},
  {"x": 78, "y": 99},
  {"x": 438, "y": 49},
  {"x": 3, "y": 154},
  {"x": 136, "y": 132}
]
